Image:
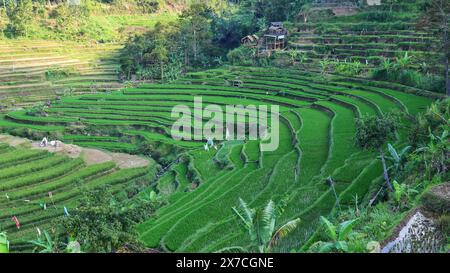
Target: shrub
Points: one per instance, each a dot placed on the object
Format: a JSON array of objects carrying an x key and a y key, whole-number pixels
[
  {"x": 241, "y": 56},
  {"x": 102, "y": 224},
  {"x": 148, "y": 6},
  {"x": 348, "y": 68},
  {"x": 20, "y": 15}
]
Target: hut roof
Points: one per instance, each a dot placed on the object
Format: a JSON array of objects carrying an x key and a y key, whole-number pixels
[
  {"x": 276, "y": 24},
  {"x": 276, "y": 29},
  {"x": 250, "y": 38}
]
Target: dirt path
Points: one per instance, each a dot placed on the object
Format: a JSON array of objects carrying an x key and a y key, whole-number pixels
[{"x": 90, "y": 156}]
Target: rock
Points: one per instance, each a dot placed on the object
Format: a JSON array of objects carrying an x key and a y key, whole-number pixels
[
  {"x": 419, "y": 235},
  {"x": 437, "y": 199}
]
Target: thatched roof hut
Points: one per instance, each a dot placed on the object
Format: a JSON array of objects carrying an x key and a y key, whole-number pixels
[{"x": 250, "y": 40}]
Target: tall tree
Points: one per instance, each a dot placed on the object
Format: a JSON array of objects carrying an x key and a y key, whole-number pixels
[{"x": 196, "y": 32}]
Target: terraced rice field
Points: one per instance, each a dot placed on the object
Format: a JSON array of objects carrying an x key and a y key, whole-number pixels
[
  {"x": 31, "y": 179},
  {"x": 317, "y": 129},
  {"x": 37, "y": 71}
]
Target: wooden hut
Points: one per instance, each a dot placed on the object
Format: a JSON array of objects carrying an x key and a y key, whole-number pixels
[
  {"x": 275, "y": 37},
  {"x": 251, "y": 41}
]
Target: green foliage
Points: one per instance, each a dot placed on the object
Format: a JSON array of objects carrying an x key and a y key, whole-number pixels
[
  {"x": 351, "y": 69},
  {"x": 403, "y": 194},
  {"x": 241, "y": 56},
  {"x": 372, "y": 132},
  {"x": 148, "y": 6},
  {"x": 260, "y": 224},
  {"x": 401, "y": 71},
  {"x": 434, "y": 120},
  {"x": 58, "y": 73},
  {"x": 154, "y": 55},
  {"x": 44, "y": 243},
  {"x": 70, "y": 18},
  {"x": 337, "y": 236},
  {"x": 434, "y": 155},
  {"x": 103, "y": 225},
  {"x": 325, "y": 65},
  {"x": 397, "y": 160},
  {"x": 20, "y": 15}
]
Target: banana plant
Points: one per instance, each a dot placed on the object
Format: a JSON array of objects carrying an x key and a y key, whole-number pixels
[
  {"x": 403, "y": 62},
  {"x": 397, "y": 159},
  {"x": 4, "y": 243},
  {"x": 43, "y": 244},
  {"x": 260, "y": 225},
  {"x": 387, "y": 65},
  {"x": 149, "y": 196},
  {"x": 293, "y": 56},
  {"x": 302, "y": 58},
  {"x": 337, "y": 235}
]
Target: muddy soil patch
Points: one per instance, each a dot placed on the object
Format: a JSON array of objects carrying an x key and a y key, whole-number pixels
[{"x": 90, "y": 156}]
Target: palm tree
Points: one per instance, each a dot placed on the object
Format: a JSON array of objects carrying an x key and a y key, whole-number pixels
[{"x": 260, "y": 225}]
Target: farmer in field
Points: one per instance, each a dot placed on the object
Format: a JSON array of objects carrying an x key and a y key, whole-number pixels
[{"x": 44, "y": 142}]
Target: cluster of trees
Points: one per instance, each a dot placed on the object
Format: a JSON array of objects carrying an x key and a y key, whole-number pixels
[
  {"x": 164, "y": 51},
  {"x": 201, "y": 37}
]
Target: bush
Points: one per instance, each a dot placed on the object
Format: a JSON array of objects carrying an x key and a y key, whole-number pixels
[
  {"x": 241, "y": 56},
  {"x": 70, "y": 18},
  {"x": 20, "y": 15},
  {"x": 351, "y": 69},
  {"x": 101, "y": 224},
  {"x": 58, "y": 73},
  {"x": 412, "y": 78}
]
